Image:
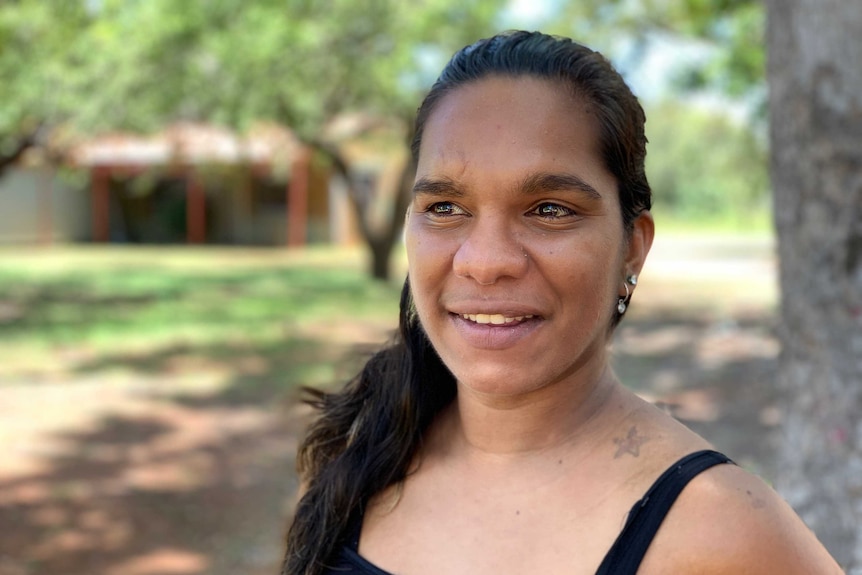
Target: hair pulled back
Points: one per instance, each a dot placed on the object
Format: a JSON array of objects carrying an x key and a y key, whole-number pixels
[
  {"x": 367, "y": 434},
  {"x": 586, "y": 74}
]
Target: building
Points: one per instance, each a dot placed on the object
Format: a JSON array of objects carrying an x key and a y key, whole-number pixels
[{"x": 191, "y": 183}]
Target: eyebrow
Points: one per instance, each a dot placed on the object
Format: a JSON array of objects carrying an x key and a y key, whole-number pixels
[
  {"x": 425, "y": 186},
  {"x": 554, "y": 182},
  {"x": 533, "y": 184}
]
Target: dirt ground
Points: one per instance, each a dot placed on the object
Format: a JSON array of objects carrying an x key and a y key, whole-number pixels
[{"x": 122, "y": 471}]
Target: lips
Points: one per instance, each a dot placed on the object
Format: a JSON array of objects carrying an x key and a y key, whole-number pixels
[{"x": 494, "y": 331}]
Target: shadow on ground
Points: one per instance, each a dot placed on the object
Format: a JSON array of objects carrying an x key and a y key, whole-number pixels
[
  {"x": 190, "y": 469},
  {"x": 184, "y": 466},
  {"x": 120, "y": 504},
  {"x": 716, "y": 374}
]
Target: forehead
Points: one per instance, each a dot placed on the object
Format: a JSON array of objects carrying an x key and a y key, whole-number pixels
[{"x": 511, "y": 124}]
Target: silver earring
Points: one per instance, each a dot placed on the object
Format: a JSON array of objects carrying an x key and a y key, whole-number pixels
[
  {"x": 621, "y": 304},
  {"x": 632, "y": 279}
]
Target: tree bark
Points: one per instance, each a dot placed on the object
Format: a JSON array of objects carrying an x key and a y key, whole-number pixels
[
  {"x": 24, "y": 143},
  {"x": 815, "y": 108},
  {"x": 380, "y": 240},
  {"x": 382, "y": 255}
]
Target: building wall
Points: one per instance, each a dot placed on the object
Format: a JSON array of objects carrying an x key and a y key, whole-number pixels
[
  {"x": 318, "y": 228},
  {"x": 38, "y": 206},
  {"x": 252, "y": 210}
]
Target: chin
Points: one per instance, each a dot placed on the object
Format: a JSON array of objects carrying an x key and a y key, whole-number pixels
[{"x": 499, "y": 381}]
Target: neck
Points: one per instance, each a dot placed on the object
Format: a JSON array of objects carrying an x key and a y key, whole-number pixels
[{"x": 556, "y": 418}]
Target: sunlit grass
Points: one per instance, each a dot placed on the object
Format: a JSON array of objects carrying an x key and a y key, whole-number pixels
[
  {"x": 139, "y": 310},
  {"x": 756, "y": 222},
  {"x": 113, "y": 305}
]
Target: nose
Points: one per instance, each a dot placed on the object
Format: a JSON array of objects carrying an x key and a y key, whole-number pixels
[{"x": 489, "y": 252}]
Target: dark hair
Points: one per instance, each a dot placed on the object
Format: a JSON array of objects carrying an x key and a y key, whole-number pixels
[
  {"x": 364, "y": 440},
  {"x": 587, "y": 74},
  {"x": 367, "y": 435}
]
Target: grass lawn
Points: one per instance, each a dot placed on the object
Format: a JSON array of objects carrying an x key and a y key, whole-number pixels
[
  {"x": 97, "y": 309},
  {"x": 738, "y": 223},
  {"x": 147, "y": 399}
]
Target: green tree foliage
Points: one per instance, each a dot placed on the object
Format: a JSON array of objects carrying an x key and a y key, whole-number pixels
[
  {"x": 731, "y": 32},
  {"x": 34, "y": 59},
  {"x": 705, "y": 166},
  {"x": 131, "y": 65},
  {"x": 234, "y": 62}
]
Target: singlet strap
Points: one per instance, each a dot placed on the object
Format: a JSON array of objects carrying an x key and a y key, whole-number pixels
[
  {"x": 349, "y": 561},
  {"x": 646, "y": 516}
]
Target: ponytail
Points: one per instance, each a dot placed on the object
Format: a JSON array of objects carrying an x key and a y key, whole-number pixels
[{"x": 364, "y": 439}]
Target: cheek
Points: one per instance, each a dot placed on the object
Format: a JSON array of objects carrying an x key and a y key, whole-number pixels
[
  {"x": 427, "y": 249},
  {"x": 415, "y": 248},
  {"x": 586, "y": 276},
  {"x": 428, "y": 262}
]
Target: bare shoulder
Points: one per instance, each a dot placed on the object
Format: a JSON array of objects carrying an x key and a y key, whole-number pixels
[{"x": 729, "y": 521}]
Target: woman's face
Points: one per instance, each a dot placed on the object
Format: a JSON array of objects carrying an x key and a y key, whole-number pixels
[{"x": 515, "y": 243}]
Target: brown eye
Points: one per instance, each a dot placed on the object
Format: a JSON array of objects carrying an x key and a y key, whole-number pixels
[
  {"x": 444, "y": 209},
  {"x": 552, "y": 211}
]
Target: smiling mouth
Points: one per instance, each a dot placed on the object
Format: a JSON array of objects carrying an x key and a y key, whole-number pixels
[{"x": 494, "y": 318}]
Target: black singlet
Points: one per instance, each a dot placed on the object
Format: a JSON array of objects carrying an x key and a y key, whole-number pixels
[{"x": 628, "y": 550}]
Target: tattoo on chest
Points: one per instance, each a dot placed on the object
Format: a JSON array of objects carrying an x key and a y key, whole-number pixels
[{"x": 630, "y": 444}]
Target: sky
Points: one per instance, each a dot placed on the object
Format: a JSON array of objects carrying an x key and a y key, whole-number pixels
[
  {"x": 529, "y": 12},
  {"x": 649, "y": 78},
  {"x": 648, "y": 69}
]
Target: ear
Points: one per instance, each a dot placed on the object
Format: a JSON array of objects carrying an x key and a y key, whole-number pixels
[{"x": 640, "y": 242}]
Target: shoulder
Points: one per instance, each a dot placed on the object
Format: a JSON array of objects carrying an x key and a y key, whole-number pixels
[{"x": 729, "y": 521}]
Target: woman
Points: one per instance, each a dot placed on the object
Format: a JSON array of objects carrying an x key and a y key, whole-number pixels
[{"x": 492, "y": 437}]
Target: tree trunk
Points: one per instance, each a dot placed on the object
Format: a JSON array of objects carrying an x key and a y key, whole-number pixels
[
  {"x": 380, "y": 252},
  {"x": 815, "y": 83},
  {"x": 9, "y": 157},
  {"x": 382, "y": 239},
  {"x": 381, "y": 244}
]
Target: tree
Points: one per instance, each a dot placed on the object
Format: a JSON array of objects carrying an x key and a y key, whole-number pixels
[
  {"x": 815, "y": 133},
  {"x": 815, "y": 110},
  {"x": 358, "y": 56},
  {"x": 705, "y": 166},
  {"x": 730, "y": 31},
  {"x": 30, "y": 105},
  {"x": 114, "y": 64}
]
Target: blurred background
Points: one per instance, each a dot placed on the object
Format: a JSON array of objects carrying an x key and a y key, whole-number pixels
[{"x": 200, "y": 209}]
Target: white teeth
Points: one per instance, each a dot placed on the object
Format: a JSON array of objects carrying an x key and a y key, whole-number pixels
[{"x": 494, "y": 318}]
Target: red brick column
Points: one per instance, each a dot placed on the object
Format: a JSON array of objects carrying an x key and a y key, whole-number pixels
[
  {"x": 297, "y": 199},
  {"x": 100, "y": 193},
  {"x": 196, "y": 218}
]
